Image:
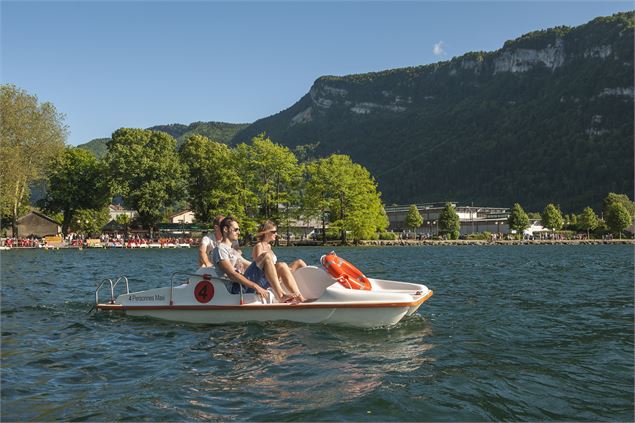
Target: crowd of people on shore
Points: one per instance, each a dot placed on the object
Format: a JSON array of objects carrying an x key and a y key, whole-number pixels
[{"x": 74, "y": 240}]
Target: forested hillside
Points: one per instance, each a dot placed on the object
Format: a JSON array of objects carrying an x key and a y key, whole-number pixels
[
  {"x": 217, "y": 131},
  {"x": 547, "y": 118}
]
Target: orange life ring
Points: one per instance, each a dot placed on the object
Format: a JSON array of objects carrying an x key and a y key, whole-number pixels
[{"x": 347, "y": 274}]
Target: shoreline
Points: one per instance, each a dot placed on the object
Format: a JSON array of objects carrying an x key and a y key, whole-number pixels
[
  {"x": 406, "y": 242},
  {"x": 386, "y": 243}
]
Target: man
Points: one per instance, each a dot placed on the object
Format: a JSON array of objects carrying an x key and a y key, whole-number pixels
[
  {"x": 209, "y": 242},
  {"x": 226, "y": 258}
]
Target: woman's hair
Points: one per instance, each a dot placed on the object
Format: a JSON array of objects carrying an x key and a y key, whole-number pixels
[
  {"x": 265, "y": 227},
  {"x": 226, "y": 223},
  {"x": 217, "y": 220}
]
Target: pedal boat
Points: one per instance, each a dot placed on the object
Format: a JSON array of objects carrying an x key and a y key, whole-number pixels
[{"x": 204, "y": 298}]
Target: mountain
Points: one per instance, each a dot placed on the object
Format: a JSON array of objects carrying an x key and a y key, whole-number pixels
[
  {"x": 546, "y": 118},
  {"x": 217, "y": 131}
]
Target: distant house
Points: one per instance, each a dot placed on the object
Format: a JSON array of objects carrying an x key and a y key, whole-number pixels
[
  {"x": 115, "y": 210},
  {"x": 182, "y": 217},
  {"x": 534, "y": 226},
  {"x": 35, "y": 224}
]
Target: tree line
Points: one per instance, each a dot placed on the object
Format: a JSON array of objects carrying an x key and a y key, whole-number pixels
[
  {"x": 252, "y": 181},
  {"x": 618, "y": 212}
]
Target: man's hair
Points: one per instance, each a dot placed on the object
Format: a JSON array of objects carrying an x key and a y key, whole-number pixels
[{"x": 226, "y": 223}]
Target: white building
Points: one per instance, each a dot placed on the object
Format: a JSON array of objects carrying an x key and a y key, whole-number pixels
[
  {"x": 115, "y": 210},
  {"x": 182, "y": 217},
  {"x": 473, "y": 219}
]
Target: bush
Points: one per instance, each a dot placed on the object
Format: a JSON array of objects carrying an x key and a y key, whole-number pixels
[
  {"x": 480, "y": 236},
  {"x": 388, "y": 235}
]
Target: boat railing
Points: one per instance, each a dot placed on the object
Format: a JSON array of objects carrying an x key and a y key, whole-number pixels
[{"x": 113, "y": 285}]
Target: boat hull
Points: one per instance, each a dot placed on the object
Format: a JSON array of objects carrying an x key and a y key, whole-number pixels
[{"x": 206, "y": 300}]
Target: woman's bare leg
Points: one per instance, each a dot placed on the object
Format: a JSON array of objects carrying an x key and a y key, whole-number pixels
[
  {"x": 297, "y": 264},
  {"x": 266, "y": 262},
  {"x": 288, "y": 280}
]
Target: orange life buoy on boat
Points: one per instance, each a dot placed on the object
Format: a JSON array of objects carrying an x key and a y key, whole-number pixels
[{"x": 347, "y": 274}]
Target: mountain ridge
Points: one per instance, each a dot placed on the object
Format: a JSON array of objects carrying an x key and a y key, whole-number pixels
[
  {"x": 559, "y": 98},
  {"x": 217, "y": 131}
]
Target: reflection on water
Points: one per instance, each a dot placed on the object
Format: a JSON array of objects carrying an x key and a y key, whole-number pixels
[{"x": 306, "y": 364}]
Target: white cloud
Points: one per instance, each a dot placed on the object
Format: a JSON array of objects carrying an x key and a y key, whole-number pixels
[{"x": 438, "y": 49}]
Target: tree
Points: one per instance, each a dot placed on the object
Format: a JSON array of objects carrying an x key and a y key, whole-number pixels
[
  {"x": 123, "y": 219},
  {"x": 89, "y": 221},
  {"x": 623, "y": 199},
  {"x": 449, "y": 222},
  {"x": 146, "y": 171},
  {"x": 587, "y": 220},
  {"x": 214, "y": 185},
  {"x": 348, "y": 193},
  {"x": 617, "y": 218},
  {"x": 414, "y": 219},
  {"x": 552, "y": 217},
  {"x": 518, "y": 219},
  {"x": 76, "y": 181},
  {"x": 31, "y": 135},
  {"x": 271, "y": 173}
]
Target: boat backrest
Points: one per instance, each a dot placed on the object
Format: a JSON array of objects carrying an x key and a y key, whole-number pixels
[{"x": 312, "y": 281}]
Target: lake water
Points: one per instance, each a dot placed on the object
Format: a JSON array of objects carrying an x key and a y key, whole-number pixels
[{"x": 520, "y": 333}]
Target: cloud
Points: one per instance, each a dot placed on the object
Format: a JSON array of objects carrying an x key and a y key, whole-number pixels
[{"x": 438, "y": 49}]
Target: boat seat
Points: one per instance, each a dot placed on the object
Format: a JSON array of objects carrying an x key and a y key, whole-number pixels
[{"x": 312, "y": 281}]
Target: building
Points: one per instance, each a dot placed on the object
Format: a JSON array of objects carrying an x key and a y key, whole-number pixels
[
  {"x": 115, "y": 210},
  {"x": 35, "y": 224},
  {"x": 473, "y": 219},
  {"x": 182, "y": 217}
]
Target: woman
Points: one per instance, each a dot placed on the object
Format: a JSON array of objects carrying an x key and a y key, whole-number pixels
[
  {"x": 266, "y": 269},
  {"x": 226, "y": 258}
]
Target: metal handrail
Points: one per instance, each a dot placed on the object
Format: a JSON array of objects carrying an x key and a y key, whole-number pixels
[
  {"x": 118, "y": 280},
  {"x": 112, "y": 291},
  {"x": 112, "y": 288}
]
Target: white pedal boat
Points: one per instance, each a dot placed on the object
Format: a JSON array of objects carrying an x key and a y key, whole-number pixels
[{"x": 204, "y": 298}]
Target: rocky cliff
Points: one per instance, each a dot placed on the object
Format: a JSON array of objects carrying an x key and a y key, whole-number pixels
[{"x": 547, "y": 118}]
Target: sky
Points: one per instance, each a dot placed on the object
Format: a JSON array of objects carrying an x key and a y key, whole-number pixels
[{"x": 112, "y": 64}]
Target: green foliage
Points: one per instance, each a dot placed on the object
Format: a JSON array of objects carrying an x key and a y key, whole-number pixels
[
  {"x": 485, "y": 235},
  {"x": 123, "y": 219},
  {"x": 387, "y": 235},
  {"x": 552, "y": 218},
  {"x": 271, "y": 172},
  {"x": 449, "y": 223},
  {"x": 588, "y": 220},
  {"x": 622, "y": 199},
  {"x": 145, "y": 170},
  {"x": 214, "y": 185},
  {"x": 413, "y": 219},
  {"x": 518, "y": 219},
  {"x": 89, "y": 221},
  {"x": 76, "y": 181},
  {"x": 218, "y": 131},
  {"x": 31, "y": 135},
  {"x": 617, "y": 218},
  {"x": 348, "y": 191},
  {"x": 538, "y": 39},
  {"x": 98, "y": 146},
  {"x": 306, "y": 152}
]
